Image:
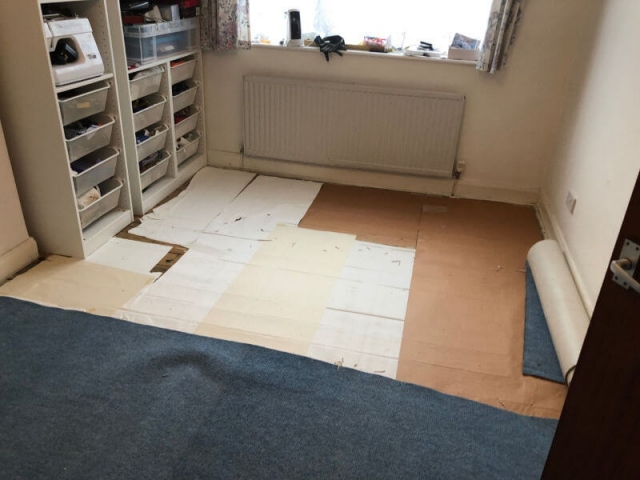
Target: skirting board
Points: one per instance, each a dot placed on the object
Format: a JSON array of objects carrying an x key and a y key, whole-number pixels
[
  {"x": 551, "y": 230},
  {"x": 18, "y": 258},
  {"x": 361, "y": 178}
]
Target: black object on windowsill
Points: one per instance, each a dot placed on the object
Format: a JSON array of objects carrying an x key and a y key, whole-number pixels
[{"x": 332, "y": 44}]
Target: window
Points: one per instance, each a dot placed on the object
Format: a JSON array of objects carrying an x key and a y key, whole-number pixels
[{"x": 434, "y": 21}]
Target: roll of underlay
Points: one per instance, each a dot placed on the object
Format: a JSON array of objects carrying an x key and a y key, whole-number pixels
[{"x": 562, "y": 305}]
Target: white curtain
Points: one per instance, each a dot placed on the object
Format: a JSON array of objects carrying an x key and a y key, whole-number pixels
[{"x": 501, "y": 33}]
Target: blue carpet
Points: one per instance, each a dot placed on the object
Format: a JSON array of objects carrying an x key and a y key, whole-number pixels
[
  {"x": 87, "y": 397},
  {"x": 540, "y": 359}
]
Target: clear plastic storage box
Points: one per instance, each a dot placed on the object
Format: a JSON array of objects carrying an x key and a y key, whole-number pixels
[{"x": 154, "y": 41}]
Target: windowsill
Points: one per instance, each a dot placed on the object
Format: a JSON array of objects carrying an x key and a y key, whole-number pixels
[{"x": 391, "y": 56}]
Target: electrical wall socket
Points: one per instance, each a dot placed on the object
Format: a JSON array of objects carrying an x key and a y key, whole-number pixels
[{"x": 570, "y": 202}]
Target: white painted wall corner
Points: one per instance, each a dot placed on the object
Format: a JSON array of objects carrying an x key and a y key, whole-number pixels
[
  {"x": 551, "y": 230},
  {"x": 17, "y": 258}
]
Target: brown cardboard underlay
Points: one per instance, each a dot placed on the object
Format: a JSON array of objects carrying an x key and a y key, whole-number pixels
[
  {"x": 373, "y": 215},
  {"x": 525, "y": 395},
  {"x": 465, "y": 318}
]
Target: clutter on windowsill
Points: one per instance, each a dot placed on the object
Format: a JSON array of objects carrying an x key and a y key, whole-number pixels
[
  {"x": 310, "y": 46},
  {"x": 464, "y": 48},
  {"x": 423, "y": 49},
  {"x": 332, "y": 44}
]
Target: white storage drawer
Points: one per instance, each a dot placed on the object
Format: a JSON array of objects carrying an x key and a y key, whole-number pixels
[
  {"x": 188, "y": 124},
  {"x": 146, "y": 85},
  {"x": 83, "y": 102},
  {"x": 86, "y": 143},
  {"x": 187, "y": 151},
  {"x": 96, "y": 167},
  {"x": 156, "y": 172},
  {"x": 186, "y": 98},
  {"x": 152, "y": 144},
  {"x": 183, "y": 71},
  {"x": 151, "y": 114},
  {"x": 109, "y": 198}
]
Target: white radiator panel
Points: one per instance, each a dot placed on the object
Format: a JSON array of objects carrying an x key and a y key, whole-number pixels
[{"x": 346, "y": 125}]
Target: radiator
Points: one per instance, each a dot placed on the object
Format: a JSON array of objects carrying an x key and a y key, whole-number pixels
[{"x": 355, "y": 126}]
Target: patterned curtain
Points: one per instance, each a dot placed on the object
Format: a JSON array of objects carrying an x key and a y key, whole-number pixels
[
  {"x": 501, "y": 33},
  {"x": 224, "y": 25}
]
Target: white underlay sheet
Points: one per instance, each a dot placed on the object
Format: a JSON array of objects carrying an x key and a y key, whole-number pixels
[
  {"x": 251, "y": 275},
  {"x": 264, "y": 204},
  {"x": 281, "y": 294},
  {"x": 364, "y": 320},
  {"x": 181, "y": 220},
  {"x": 183, "y": 296},
  {"x": 138, "y": 257},
  {"x": 313, "y": 293},
  {"x": 375, "y": 281}
]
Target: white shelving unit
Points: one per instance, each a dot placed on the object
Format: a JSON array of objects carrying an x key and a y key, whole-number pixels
[
  {"x": 36, "y": 139},
  {"x": 144, "y": 199}
]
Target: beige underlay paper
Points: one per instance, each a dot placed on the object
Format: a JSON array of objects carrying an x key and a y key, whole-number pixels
[
  {"x": 77, "y": 284},
  {"x": 279, "y": 298}
]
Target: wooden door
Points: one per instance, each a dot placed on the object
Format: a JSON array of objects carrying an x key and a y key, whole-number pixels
[{"x": 598, "y": 435}]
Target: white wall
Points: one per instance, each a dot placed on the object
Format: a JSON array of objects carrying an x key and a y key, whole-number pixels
[
  {"x": 511, "y": 119},
  {"x": 16, "y": 248},
  {"x": 598, "y": 157}
]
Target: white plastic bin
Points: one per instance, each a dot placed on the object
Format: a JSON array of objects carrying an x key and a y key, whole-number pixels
[
  {"x": 188, "y": 124},
  {"x": 150, "y": 115},
  {"x": 104, "y": 163},
  {"x": 91, "y": 141},
  {"x": 152, "y": 144},
  {"x": 83, "y": 102},
  {"x": 156, "y": 172},
  {"x": 183, "y": 71},
  {"x": 109, "y": 199},
  {"x": 187, "y": 151},
  {"x": 186, "y": 98},
  {"x": 146, "y": 85}
]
